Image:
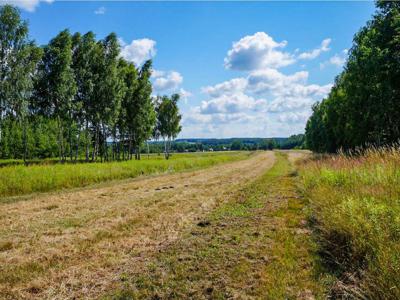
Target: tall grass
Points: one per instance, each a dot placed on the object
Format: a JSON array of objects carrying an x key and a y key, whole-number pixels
[
  {"x": 20, "y": 180},
  {"x": 355, "y": 206}
]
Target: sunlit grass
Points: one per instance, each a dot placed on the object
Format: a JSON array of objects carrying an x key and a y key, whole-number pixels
[
  {"x": 254, "y": 246},
  {"x": 355, "y": 204},
  {"x": 20, "y": 180}
]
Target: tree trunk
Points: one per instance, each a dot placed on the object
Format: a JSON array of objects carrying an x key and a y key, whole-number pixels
[
  {"x": 25, "y": 140},
  {"x": 96, "y": 141},
  {"x": 87, "y": 142},
  {"x": 60, "y": 139},
  {"x": 130, "y": 147},
  {"x": 77, "y": 144}
]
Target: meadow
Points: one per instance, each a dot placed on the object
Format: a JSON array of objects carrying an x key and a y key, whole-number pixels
[
  {"x": 354, "y": 208},
  {"x": 21, "y": 180}
]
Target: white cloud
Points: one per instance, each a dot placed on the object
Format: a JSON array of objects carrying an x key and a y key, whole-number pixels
[
  {"x": 316, "y": 52},
  {"x": 289, "y": 104},
  {"x": 264, "y": 101},
  {"x": 337, "y": 60},
  {"x": 228, "y": 87},
  {"x": 294, "y": 117},
  {"x": 185, "y": 94},
  {"x": 29, "y": 5},
  {"x": 138, "y": 51},
  {"x": 227, "y": 104},
  {"x": 271, "y": 80},
  {"x": 274, "y": 83},
  {"x": 166, "y": 81},
  {"x": 257, "y": 51},
  {"x": 100, "y": 11}
]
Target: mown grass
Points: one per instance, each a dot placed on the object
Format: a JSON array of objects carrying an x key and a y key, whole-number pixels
[
  {"x": 21, "y": 180},
  {"x": 255, "y": 246},
  {"x": 355, "y": 206}
]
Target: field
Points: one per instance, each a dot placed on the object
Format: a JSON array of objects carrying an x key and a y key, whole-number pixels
[
  {"x": 21, "y": 180},
  {"x": 355, "y": 209},
  {"x": 274, "y": 225}
]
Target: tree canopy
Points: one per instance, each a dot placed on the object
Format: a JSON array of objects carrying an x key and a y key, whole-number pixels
[
  {"x": 75, "y": 97},
  {"x": 363, "y": 107}
]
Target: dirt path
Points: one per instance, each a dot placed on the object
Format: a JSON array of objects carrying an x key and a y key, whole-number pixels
[
  {"x": 79, "y": 243},
  {"x": 257, "y": 245}
]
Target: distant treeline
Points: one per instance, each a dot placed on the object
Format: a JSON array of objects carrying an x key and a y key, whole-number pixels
[
  {"x": 76, "y": 97},
  {"x": 363, "y": 107},
  {"x": 234, "y": 144}
]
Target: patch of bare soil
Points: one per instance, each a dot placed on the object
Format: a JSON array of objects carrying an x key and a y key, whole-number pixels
[{"x": 78, "y": 244}]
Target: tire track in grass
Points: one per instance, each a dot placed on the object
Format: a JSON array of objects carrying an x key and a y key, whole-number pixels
[
  {"x": 256, "y": 246},
  {"x": 78, "y": 244}
]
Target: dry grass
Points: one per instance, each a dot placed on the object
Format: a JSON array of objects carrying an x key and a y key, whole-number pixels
[
  {"x": 80, "y": 243},
  {"x": 255, "y": 246},
  {"x": 354, "y": 202}
]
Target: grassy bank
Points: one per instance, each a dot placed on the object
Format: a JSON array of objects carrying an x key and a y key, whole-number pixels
[
  {"x": 355, "y": 205},
  {"x": 20, "y": 180},
  {"x": 255, "y": 246}
]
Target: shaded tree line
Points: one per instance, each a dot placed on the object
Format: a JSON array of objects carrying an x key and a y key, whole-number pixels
[
  {"x": 76, "y": 97},
  {"x": 363, "y": 107}
]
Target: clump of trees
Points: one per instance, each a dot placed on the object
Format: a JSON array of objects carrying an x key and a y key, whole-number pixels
[
  {"x": 363, "y": 107},
  {"x": 76, "y": 97}
]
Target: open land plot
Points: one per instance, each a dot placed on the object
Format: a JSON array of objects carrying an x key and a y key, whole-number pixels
[{"x": 79, "y": 243}]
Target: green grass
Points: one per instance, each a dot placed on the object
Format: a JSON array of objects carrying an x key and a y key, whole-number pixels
[
  {"x": 355, "y": 205},
  {"x": 22, "y": 180},
  {"x": 255, "y": 246}
]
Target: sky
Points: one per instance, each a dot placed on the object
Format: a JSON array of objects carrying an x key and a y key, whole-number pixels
[{"x": 243, "y": 69}]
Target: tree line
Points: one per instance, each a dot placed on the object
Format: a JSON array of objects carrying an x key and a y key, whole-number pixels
[
  {"x": 76, "y": 97},
  {"x": 363, "y": 107}
]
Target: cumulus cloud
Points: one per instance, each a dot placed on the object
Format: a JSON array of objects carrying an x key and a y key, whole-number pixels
[
  {"x": 166, "y": 81},
  {"x": 271, "y": 80},
  {"x": 294, "y": 117},
  {"x": 279, "y": 105},
  {"x": 29, "y": 5},
  {"x": 337, "y": 60},
  {"x": 256, "y": 52},
  {"x": 275, "y": 83},
  {"x": 228, "y": 104},
  {"x": 316, "y": 52},
  {"x": 138, "y": 51},
  {"x": 228, "y": 87},
  {"x": 185, "y": 95},
  {"x": 100, "y": 11},
  {"x": 264, "y": 101}
]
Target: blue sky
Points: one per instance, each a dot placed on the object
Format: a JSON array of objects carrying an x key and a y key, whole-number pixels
[{"x": 244, "y": 69}]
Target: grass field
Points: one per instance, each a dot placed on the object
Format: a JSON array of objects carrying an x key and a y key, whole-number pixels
[
  {"x": 21, "y": 180},
  {"x": 355, "y": 208},
  {"x": 255, "y": 246},
  {"x": 267, "y": 225},
  {"x": 79, "y": 242}
]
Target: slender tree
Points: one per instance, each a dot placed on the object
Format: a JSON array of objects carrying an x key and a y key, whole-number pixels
[
  {"x": 142, "y": 117},
  {"x": 18, "y": 59},
  {"x": 169, "y": 120},
  {"x": 56, "y": 87},
  {"x": 109, "y": 89},
  {"x": 84, "y": 66}
]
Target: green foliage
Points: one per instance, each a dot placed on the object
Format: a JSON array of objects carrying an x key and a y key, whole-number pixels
[
  {"x": 168, "y": 120},
  {"x": 82, "y": 87},
  {"x": 18, "y": 59},
  {"x": 363, "y": 107}
]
